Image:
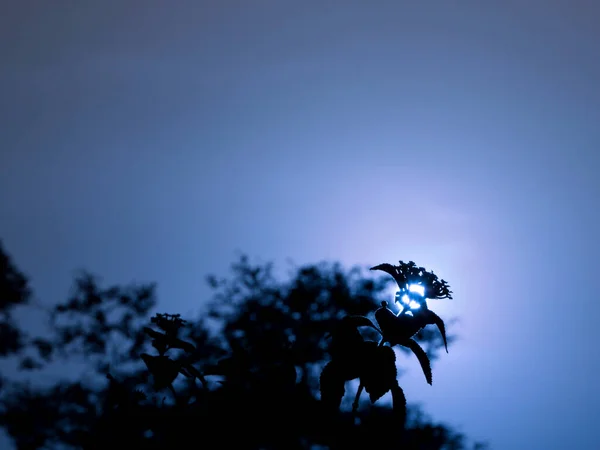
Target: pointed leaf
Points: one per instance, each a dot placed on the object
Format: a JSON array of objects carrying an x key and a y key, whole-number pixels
[
  {"x": 434, "y": 319},
  {"x": 391, "y": 270},
  {"x": 192, "y": 370},
  {"x": 422, "y": 357},
  {"x": 153, "y": 333},
  {"x": 399, "y": 404},
  {"x": 178, "y": 343}
]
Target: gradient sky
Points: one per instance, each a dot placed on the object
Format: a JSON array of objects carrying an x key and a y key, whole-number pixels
[{"x": 151, "y": 140}]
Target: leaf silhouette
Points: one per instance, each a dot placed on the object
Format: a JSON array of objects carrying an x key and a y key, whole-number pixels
[
  {"x": 393, "y": 271},
  {"x": 433, "y": 319},
  {"x": 195, "y": 372},
  {"x": 396, "y": 329},
  {"x": 163, "y": 369},
  {"x": 399, "y": 404},
  {"x": 421, "y": 356},
  {"x": 331, "y": 385},
  {"x": 162, "y": 342},
  {"x": 378, "y": 374},
  {"x": 181, "y": 344}
]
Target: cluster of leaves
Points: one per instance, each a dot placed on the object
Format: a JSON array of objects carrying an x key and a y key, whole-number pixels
[
  {"x": 164, "y": 370},
  {"x": 374, "y": 363},
  {"x": 407, "y": 274}
]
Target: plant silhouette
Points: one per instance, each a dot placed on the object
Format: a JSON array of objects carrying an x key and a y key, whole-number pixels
[
  {"x": 265, "y": 367},
  {"x": 373, "y": 363}
]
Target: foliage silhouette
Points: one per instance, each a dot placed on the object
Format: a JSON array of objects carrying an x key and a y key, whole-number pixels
[
  {"x": 255, "y": 362},
  {"x": 14, "y": 291},
  {"x": 374, "y": 365}
]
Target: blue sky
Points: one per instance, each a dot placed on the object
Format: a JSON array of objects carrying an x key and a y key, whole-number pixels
[{"x": 152, "y": 140}]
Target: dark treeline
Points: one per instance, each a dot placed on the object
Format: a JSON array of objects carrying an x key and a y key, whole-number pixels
[{"x": 248, "y": 373}]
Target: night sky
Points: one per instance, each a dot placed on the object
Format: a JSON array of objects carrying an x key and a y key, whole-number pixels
[{"x": 153, "y": 140}]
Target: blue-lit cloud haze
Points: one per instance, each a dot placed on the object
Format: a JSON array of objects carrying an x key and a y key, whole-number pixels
[{"x": 151, "y": 140}]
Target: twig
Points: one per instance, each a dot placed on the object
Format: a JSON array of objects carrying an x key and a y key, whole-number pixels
[{"x": 356, "y": 399}]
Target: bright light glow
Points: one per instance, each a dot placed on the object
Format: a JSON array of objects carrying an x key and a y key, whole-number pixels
[
  {"x": 409, "y": 303},
  {"x": 413, "y": 305},
  {"x": 417, "y": 289},
  {"x": 406, "y": 299}
]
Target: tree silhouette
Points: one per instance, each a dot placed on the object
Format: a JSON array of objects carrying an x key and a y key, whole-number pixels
[
  {"x": 14, "y": 291},
  {"x": 266, "y": 367}
]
